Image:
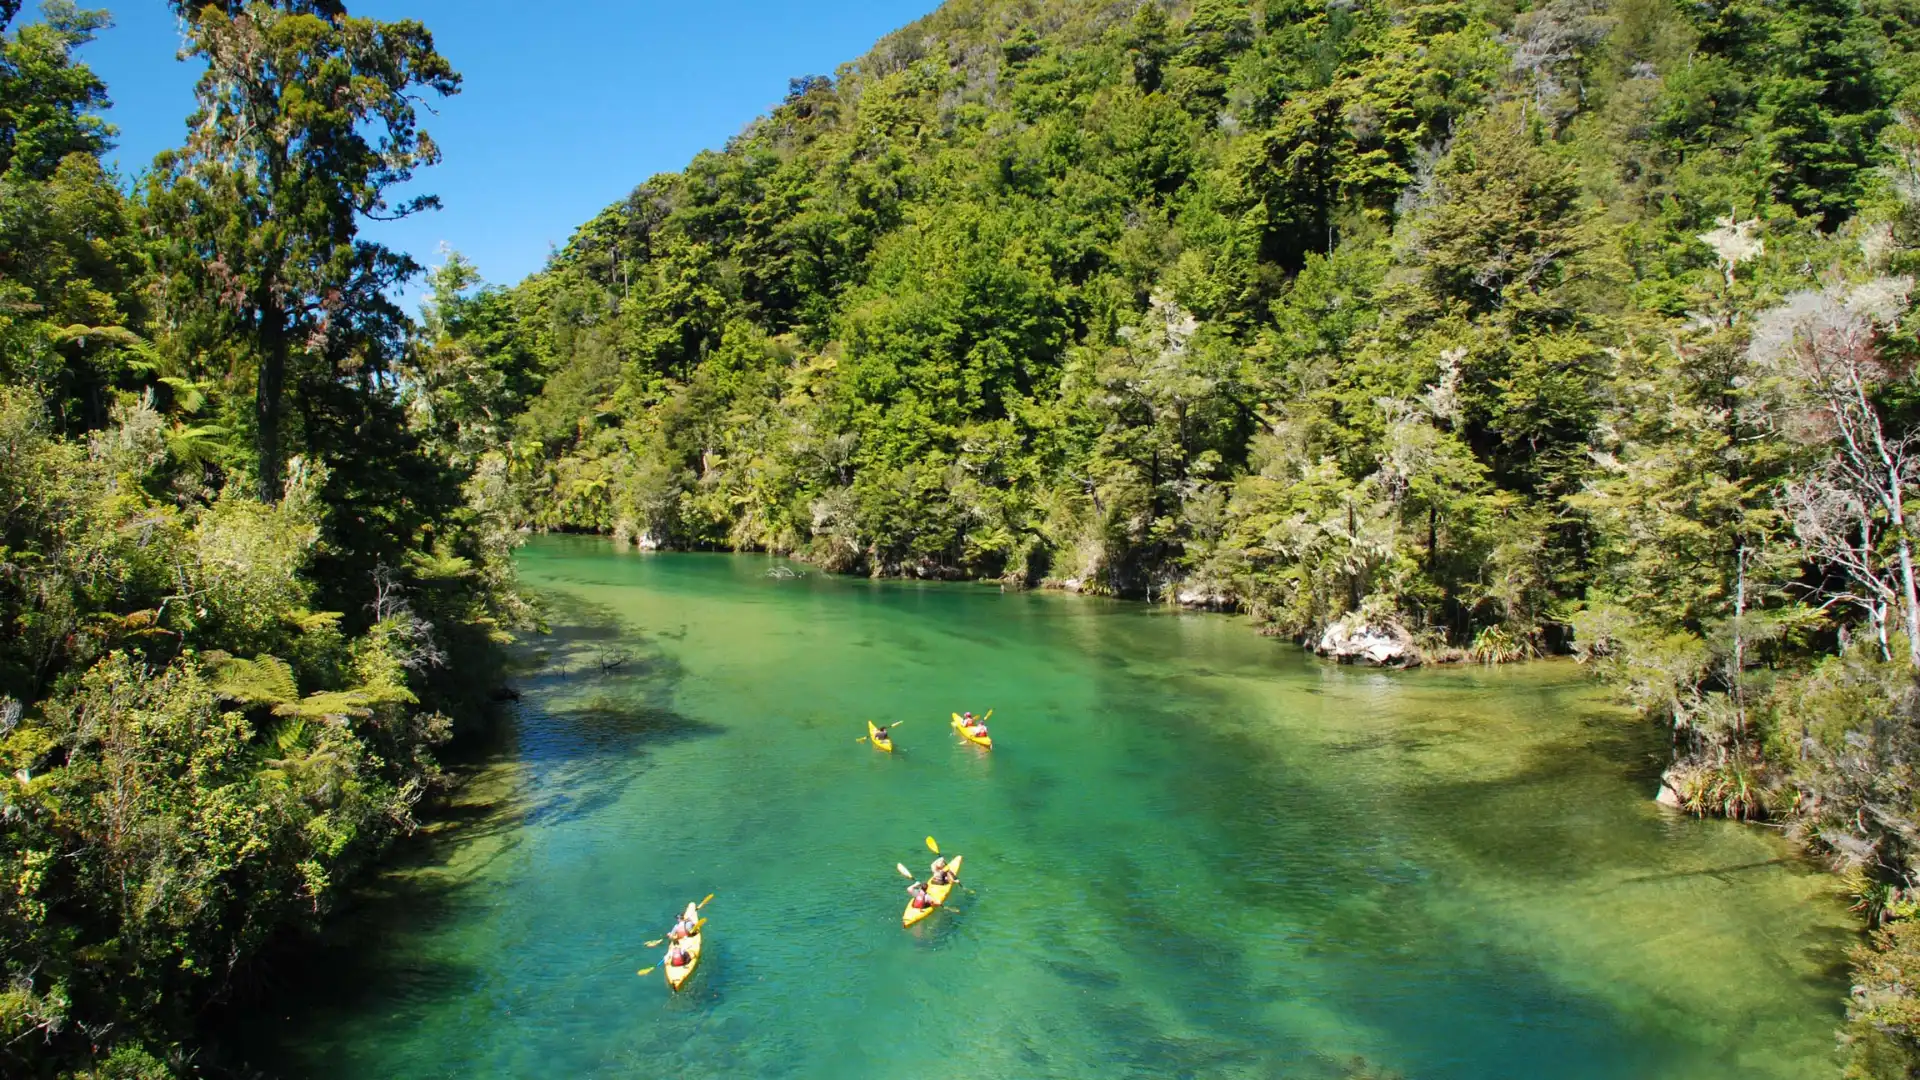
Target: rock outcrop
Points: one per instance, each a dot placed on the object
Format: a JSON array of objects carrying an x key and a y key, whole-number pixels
[
  {"x": 1206, "y": 599},
  {"x": 1353, "y": 640}
]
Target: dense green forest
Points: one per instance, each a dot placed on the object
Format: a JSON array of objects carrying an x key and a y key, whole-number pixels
[
  {"x": 242, "y": 597},
  {"x": 1447, "y": 328},
  {"x": 1463, "y": 328}
]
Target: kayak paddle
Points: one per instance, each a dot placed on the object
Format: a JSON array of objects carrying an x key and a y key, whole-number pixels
[
  {"x": 904, "y": 872},
  {"x": 933, "y": 847}
]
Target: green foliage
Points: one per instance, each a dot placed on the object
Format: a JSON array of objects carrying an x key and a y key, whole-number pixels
[
  {"x": 1204, "y": 303},
  {"x": 46, "y": 98},
  {"x": 1514, "y": 329},
  {"x": 1883, "y": 1015},
  {"x": 217, "y": 704},
  {"x": 306, "y": 120}
]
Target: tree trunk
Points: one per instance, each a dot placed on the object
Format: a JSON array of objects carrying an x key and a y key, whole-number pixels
[
  {"x": 1911, "y": 615},
  {"x": 1433, "y": 538},
  {"x": 1735, "y": 682},
  {"x": 269, "y": 391},
  {"x": 1353, "y": 575}
]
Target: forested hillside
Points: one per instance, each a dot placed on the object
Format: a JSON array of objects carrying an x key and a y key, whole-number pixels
[
  {"x": 1494, "y": 330},
  {"x": 241, "y": 600},
  {"x": 1499, "y": 329}
]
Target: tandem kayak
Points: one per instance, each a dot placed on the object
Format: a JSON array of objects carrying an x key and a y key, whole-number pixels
[
  {"x": 936, "y": 893},
  {"x": 678, "y": 975},
  {"x": 880, "y": 742},
  {"x": 977, "y": 740}
]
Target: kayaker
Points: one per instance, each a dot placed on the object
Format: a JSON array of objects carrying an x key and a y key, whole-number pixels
[
  {"x": 879, "y": 733},
  {"x": 688, "y": 925},
  {"x": 941, "y": 875},
  {"x": 678, "y": 956},
  {"x": 919, "y": 895}
]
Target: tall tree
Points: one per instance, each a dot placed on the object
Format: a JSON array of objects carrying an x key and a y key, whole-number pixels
[{"x": 307, "y": 121}]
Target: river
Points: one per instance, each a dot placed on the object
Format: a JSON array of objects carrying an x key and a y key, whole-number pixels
[{"x": 1194, "y": 851}]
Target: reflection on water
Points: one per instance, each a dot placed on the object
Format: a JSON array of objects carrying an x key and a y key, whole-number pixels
[{"x": 1193, "y": 852}]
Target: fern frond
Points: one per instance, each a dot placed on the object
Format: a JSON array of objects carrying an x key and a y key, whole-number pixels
[{"x": 265, "y": 680}]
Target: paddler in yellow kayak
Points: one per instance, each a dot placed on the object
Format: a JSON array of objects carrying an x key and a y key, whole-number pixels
[
  {"x": 688, "y": 925},
  {"x": 975, "y": 726},
  {"x": 940, "y": 875},
  {"x": 919, "y": 898}
]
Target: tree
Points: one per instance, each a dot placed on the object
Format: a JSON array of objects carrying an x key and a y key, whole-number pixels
[
  {"x": 1821, "y": 106},
  {"x": 47, "y": 100},
  {"x": 307, "y": 120},
  {"x": 1149, "y": 43},
  {"x": 1850, "y": 506}
]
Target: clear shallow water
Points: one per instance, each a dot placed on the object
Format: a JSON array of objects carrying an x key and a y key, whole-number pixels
[{"x": 1195, "y": 852}]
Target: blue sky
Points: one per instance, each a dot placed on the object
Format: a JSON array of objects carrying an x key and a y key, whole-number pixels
[{"x": 567, "y": 105}]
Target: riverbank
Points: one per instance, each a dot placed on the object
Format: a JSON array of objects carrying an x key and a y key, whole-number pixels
[{"x": 1349, "y": 639}]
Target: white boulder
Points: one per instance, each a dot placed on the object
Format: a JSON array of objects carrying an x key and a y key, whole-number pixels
[{"x": 1379, "y": 643}]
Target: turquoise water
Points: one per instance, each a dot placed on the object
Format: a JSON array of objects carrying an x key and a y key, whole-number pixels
[{"x": 1193, "y": 852}]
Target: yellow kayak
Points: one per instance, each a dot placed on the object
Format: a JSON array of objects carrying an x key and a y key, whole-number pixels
[
  {"x": 960, "y": 726},
  {"x": 880, "y": 742},
  {"x": 678, "y": 975},
  {"x": 936, "y": 893}
]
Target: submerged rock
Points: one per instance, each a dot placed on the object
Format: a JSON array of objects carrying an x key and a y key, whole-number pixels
[{"x": 1381, "y": 644}]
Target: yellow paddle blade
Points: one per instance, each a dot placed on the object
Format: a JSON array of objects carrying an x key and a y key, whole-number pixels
[
  {"x": 933, "y": 847},
  {"x": 648, "y": 971},
  {"x": 904, "y": 872},
  {"x": 895, "y": 724},
  {"x": 862, "y": 738},
  {"x": 703, "y": 903},
  {"x": 655, "y": 943},
  {"x": 987, "y": 717}
]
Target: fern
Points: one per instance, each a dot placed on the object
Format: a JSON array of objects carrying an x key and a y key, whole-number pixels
[
  {"x": 312, "y": 621},
  {"x": 200, "y": 442},
  {"x": 265, "y": 680},
  {"x": 438, "y": 567},
  {"x": 268, "y": 680},
  {"x": 328, "y": 705}
]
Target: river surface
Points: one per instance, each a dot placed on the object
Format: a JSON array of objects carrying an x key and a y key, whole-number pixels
[{"x": 1193, "y": 852}]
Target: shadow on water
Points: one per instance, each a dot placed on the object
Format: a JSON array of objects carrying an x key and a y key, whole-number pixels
[{"x": 594, "y": 702}]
